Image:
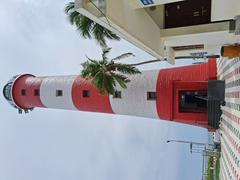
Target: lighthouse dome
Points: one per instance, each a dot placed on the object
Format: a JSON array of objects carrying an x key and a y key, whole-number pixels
[{"x": 7, "y": 91}]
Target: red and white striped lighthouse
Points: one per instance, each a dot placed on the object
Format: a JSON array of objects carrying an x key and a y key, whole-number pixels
[{"x": 154, "y": 94}]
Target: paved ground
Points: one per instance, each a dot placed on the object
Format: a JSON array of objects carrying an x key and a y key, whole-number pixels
[{"x": 229, "y": 70}]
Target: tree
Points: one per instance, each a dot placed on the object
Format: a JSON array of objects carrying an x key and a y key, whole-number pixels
[
  {"x": 87, "y": 27},
  {"x": 105, "y": 73}
]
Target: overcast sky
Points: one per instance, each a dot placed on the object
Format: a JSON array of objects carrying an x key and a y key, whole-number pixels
[{"x": 35, "y": 37}]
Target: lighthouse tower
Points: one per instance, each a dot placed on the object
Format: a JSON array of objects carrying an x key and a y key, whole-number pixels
[{"x": 176, "y": 94}]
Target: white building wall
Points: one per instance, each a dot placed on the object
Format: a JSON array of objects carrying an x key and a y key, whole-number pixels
[
  {"x": 134, "y": 98},
  {"x": 157, "y": 15},
  {"x": 136, "y": 23},
  {"x": 139, "y": 4},
  {"x": 48, "y": 92},
  {"x": 224, "y": 9}
]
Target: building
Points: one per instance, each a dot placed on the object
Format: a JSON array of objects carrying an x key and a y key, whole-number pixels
[
  {"x": 177, "y": 94},
  {"x": 168, "y": 28}
]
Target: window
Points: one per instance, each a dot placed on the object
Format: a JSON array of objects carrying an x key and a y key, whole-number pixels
[
  {"x": 86, "y": 93},
  {"x": 7, "y": 91},
  {"x": 193, "y": 101},
  {"x": 59, "y": 93},
  {"x": 117, "y": 94},
  {"x": 36, "y": 92},
  {"x": 23, "y": 92},
  {"x": 147, "y": 2},
  {"x": 151, "y": 95}
]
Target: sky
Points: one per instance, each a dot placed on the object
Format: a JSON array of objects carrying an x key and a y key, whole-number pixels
[{"x": 36, "y": 38}]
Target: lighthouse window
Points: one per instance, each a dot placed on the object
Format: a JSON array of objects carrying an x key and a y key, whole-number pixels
[
  {"x": 23, "y": 92},
  {"x": 59, "y": 93},
  {"x": 86, "y": 93},
  {"x": 36, "y": 92},
  {"x": 117, "y": 94},
  {"x": 151, "y": 95}
]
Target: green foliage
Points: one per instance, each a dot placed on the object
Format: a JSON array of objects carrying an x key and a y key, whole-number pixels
[
  {"x": 106, "y": 74},
  {"x": 209, "y": 170},
  {"x": 217, "y": 169},
  {"x": 87, "y": 27}
]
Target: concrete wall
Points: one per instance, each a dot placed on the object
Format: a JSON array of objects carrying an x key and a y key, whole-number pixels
[
  {"x": 139, "y": 4},
  {"x": 135, "y": 22},
  {"x": 224, "y": 9},
  {"x": 157, "y": 14}
]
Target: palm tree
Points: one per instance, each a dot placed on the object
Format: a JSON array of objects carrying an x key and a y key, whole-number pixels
[
  {"x": 87, "y": 27},
  {"x": 105, "y": 73}
]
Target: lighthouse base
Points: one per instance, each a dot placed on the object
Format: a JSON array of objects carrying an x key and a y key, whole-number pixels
[{"x": 216, "y": 94}]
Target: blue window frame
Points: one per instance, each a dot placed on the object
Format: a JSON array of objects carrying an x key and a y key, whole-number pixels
[{"x": 147, "y": 2}]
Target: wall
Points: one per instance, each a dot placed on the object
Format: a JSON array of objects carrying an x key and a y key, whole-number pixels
[
  {"x": 135, "y": 22},
  {"x": 229, "y": 70},
  {"x": 139, "y": 4},
  {"x": 157, "y": 15},
  {"x": 225, "y": 9}
]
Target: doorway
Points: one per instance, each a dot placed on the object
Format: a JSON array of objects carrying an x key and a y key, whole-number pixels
[{"x": 193, "y": 101}]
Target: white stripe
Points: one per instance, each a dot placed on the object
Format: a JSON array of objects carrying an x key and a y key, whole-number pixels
[
  {"x": 134, "y": 98},
  {"x": 48, "y": 92}
]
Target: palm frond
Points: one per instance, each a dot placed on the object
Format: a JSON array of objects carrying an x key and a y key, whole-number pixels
[
  {"x": 104, "y": 83},
  {"x": 90, "y": 68},
  {"x": 84, "y": 26},
  {"x": 74, "y": 18},
  {"x": 99, "y": 35},
  {"x": 121, "y": 79},
  {"x": 109, "y": 84},
  {"x": 110, "y": 35},
  {"x": 92, "y": 60},
  {"x": 87, "y": 27},
  {"x": 69, "y": 7},
  {"x": 105, "y": 74},
  {"x": 73, "y": 15},
  {"x": 123, "y": 56},
  {"x": 105, "y": 52},
  {"x": 126, "y": 69}
]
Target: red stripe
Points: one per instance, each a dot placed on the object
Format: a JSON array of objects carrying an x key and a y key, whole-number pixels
[
  {"x": 28, "y": 83},
  {"x": 95, "y": 103},
  {"x": 187, "y": 78}
]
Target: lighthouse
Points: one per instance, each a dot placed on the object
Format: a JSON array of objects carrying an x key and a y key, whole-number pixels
[{"x": 176, "y": 94}]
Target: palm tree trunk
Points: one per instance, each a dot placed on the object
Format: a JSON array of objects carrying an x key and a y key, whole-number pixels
[
  {"x": 178, "y": 57},
  {"x": 197, "y": 57},
  {"x": 146, "y": 62}
]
